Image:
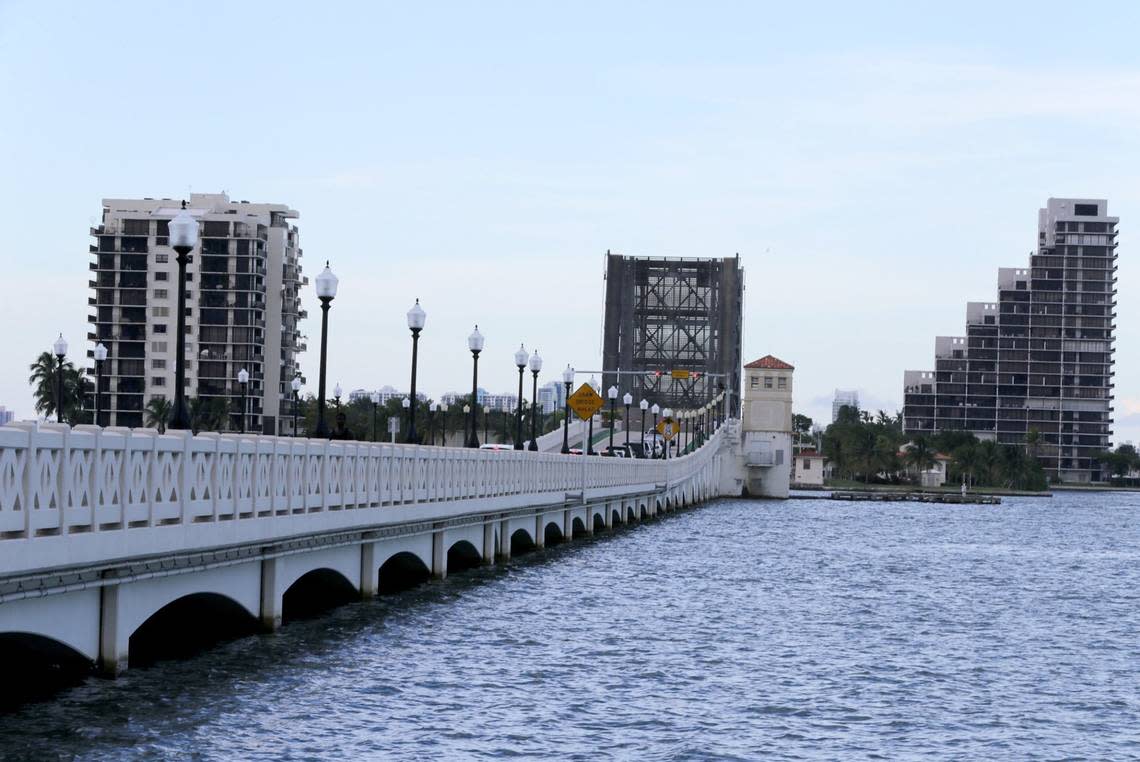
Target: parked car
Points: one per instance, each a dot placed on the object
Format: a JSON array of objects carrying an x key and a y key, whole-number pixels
[
  {"x": 617, "y": 451},
  {"x": 496, "y": 447}
]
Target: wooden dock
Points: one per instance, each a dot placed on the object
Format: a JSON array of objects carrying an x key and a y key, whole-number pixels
[{"x": 918, "y": 497}]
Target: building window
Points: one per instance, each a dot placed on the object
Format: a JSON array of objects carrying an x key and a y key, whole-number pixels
[
  {"x": 160, "y": 328},
  {"x": 807, "y": 465},
  {"x": 781, "y": 383},
  {"x": 158, "y": 346},
  {"x": 160, "y": 276},
  {"x": 160, "y": 311},
  {"x": 767, "y": 382},
  {"x": 158, "y": 380},
  {"x": 162, "y": 258},
  {"x": 160, "y": 293},
  {"x": 755, "y": 382},
  {"x": 1084, "y": 210},
  {"x": 158, "y": 364}
]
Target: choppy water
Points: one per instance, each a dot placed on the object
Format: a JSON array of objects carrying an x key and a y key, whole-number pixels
[{"x": 740, "y": 630}]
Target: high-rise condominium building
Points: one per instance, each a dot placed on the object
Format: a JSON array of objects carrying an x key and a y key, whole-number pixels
[
  {"x": 843, "y": 398},
  {"x": 242, "y": 307},
  {"x": 1040, "y": 358}
]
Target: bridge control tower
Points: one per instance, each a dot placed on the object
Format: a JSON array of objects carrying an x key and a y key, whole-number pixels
[{"x": 766, "y": 427}]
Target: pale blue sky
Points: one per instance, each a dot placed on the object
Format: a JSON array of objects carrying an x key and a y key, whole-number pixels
[{"x": 873, "y": 163}]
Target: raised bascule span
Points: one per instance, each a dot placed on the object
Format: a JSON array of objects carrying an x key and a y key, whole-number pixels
[{"x": 102, "y": 528}]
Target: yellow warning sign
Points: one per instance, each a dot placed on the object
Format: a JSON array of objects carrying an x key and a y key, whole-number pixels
[
  {"x": 679, "y": 373},
  {"x": 585, "y": 402},
  {"x": 668, "y": 428}
]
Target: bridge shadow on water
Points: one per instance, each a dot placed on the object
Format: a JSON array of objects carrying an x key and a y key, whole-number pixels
[{"x": 321, "y": 613}]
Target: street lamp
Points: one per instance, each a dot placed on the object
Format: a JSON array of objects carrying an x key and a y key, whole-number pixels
[
  {"x": 644, "y": 405},
  {"x": 467, "y": 415},
  {"x": 60, "y": 349},
  {"x": 443, "y": 425},
  {"x": 667, "y": 415},
  {"x": 655, "y": 410},
  {"x": 475, "y": 344},
  {"x": 326, "y": 292},
  {"x": 612, "y": 393},
  {"x": 521, "y": 358},
  {"x": 336, "y": 395},
  {"x": 416, "y": 319},
  {"x": 183, "y": 237},
  {"x": 100, "y": 358},
  {"x": 568, "y": 380},
  {"x": 535, "y": 367},
  {"x": 295, "y": 384},
  {"x": 628, "y": 400},
  {"x": 375, "y": 397},
  {"x": 243, "y": 382},
  {"x": 432, "y": 408},
  {"x": 406, "y": 404}
]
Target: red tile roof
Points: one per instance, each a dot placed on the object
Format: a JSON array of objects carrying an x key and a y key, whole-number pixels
[
  {"x": 809, "y": 454},
  {"x": 771, "y": 363}
]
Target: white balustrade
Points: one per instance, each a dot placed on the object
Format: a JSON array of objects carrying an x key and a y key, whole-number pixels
[{"x": 56, "y": 480}]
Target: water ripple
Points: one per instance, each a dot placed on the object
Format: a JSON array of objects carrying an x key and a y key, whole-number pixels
[{"x": 739, "y": 631}]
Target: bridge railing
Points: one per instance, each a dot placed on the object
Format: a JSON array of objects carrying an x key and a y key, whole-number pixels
[{"x": 56, "y": 480}]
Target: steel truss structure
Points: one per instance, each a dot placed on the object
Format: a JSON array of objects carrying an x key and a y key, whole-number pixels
[{"x": 674, "y": 314}]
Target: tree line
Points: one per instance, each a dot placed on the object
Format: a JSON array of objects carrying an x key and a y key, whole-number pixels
[{"x": 867, "y": 448}]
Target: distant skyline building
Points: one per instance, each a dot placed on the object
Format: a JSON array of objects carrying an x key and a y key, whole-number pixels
[
  {"x": 243, "y": 303},
  {"x": 676, "y": 323},
  {"x": 1040, "y": 358},
  {"x": 843, "y": 398},
  {"x": 6, "y": 415}
]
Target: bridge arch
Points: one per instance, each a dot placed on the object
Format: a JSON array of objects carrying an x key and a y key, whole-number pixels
[
  {"x": 522, "y": 542},
  {"x": 401, "y": 571},
  {"x": 315, "y": 592},
  {"x": 630, "y": 516},
  {"x": 599, "y": 521},
  {"x": 552, "y": 534},
  {"x": 188, "y": 625},
  {"x": 37, "y": 667},
  {"x": 578, "y": 526},
  {"x": 461, "y": 556},
  {"x": 616, "y": 516}
]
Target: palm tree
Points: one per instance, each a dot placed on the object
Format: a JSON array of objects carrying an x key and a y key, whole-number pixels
[
  {"x": 920, "y": 455},
  {"x": 966, "y": 459},
  {"x": 1032, "y": 441},
  {"x": 158, "y": 412},
  {"x": 989, "y": 459},
  {"x": 44, "y": 379}
]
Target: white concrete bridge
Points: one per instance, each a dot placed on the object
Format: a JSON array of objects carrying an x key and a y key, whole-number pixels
[{"x": 112, "y": 540}]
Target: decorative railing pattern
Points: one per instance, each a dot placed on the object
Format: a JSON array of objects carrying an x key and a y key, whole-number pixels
[{"x": 60, "y": 480}]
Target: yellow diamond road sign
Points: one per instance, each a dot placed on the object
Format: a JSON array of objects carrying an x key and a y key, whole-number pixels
[
  {"x": 668, "y": 429},
  {"x": 585, "y": 402},
  {"x": 679, "y": 374}
]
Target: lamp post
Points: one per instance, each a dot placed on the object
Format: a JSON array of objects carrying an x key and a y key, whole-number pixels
[
  {"x": 612, "y": 393},
  {"x": 183, "y": 230},
  {"x": 432, "y": 408},
  {"x": 60, "y": 349},
  {"x": 486, "y": 424},
  {"x": 468, "y": 419},
  {"x": 406, "y": 404},
  {"x": 535, "y": 367},
  {"x": 243, "y": 382},
  {"x": 296, "y": 386},
  {"x": 100, "y": 358},
  {"x": 326, "y": 292},
  {"x": 628, "y": 400},
  {"x": 475, "y": 344},
  {"x": 644, "y": 405},
  {"x": 521, "y": 358},
  {"x": 375, "y": 397},
  {"x": 655, "y": 410},
  {"x": 336, "y": 395},
  {"x": 416, "y": 319},
  {"x": 443, "y": 425},
  {"x": 667, "y": 416},
  {"x": 568, "y": 380}
]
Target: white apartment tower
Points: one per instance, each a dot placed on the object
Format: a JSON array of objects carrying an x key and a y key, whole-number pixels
[{"x": 242, "y": 307}]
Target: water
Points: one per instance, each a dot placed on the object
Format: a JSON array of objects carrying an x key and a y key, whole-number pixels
[{"x": 739, "y": 630}]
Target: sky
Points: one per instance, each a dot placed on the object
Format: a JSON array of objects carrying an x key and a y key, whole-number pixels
[{"x": 873, "y": 164}]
